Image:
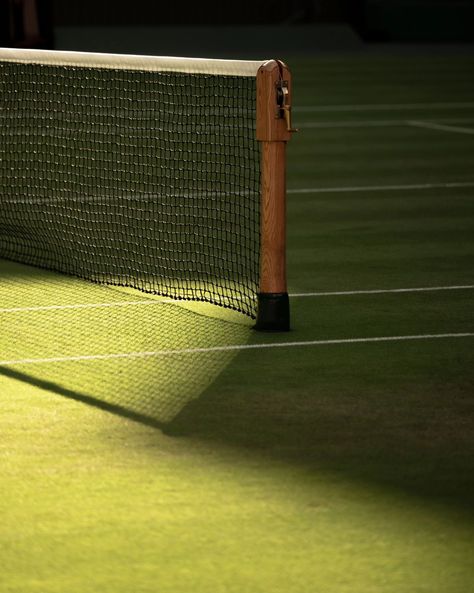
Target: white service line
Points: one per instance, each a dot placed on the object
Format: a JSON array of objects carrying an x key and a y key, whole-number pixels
[
  {"x": 383, "y": 107},
  {"x": 353, "y": 124},
  {"x": 154, "y": 197},
  {"x": 360, "y": 188},
  {"x": 377, "y": 123},
  {"x": 232, "y": 348},
  {"x": 440, "y": 127},
  {"x": 381, "y": 291},
  {"x": 82, "y": 306},
  {"x": 292, "y": 295}
]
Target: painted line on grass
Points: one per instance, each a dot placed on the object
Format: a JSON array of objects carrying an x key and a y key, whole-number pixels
[
  {"x": 440, "y": 127},
  {"x": 381, "y": 123},
  {"x": 82, "y": 306},
  {"x": 361, "y": 188},
  {"x": 384, "y": 107},
  {"x": 232, "y": 348},
  {"x": 381, "y": 291},
  {"x": 171, "y": 301},
  {"x": 207, "y": 195},
  {"x": 353, "y": 124}
]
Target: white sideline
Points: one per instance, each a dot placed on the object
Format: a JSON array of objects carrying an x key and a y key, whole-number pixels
[
  {"x": 311, "y": 190},
  {"x": 83, "y": 306},
  {"x": 380, "y": 123},
  {"x": 381, "y": 291},
  {"x": 232, "y": 348},
  {"x": 384, "y": 107},
  {"x": 440, "y": 127},
  {"x": 360, "y": 188},
  {"x": 353, "y": 124},
  {"x": 292, "y": 295}
]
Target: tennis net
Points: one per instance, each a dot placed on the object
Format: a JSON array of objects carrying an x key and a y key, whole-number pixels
[{"x": 137, "y": 171}]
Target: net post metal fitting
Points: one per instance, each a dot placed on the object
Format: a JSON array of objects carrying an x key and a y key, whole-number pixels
[{"x": 273, "y": 132}]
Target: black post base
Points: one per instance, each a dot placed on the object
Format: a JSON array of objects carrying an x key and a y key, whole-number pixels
[{"x": 273, "y": 312}]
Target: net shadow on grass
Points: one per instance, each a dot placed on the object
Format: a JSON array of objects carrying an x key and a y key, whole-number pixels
[
  {"x": 395, "y": 415},
  {"x": 80, "y": 397},
  {"x": 123, "y": 353}
]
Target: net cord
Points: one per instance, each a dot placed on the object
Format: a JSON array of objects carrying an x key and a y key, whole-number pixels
[{"x": 245, "y": 68}]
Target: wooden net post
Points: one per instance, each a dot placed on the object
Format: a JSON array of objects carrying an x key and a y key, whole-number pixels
[{"x": 273, "y": 132}]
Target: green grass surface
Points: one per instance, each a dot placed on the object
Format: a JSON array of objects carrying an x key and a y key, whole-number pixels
[{"x": 327, "y": 468}]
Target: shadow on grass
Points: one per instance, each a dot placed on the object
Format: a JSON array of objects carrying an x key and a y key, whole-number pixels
[
  {"x": 149, "y": 380},
  {"x": 400, "y": 415},
  {"x": 125, "y": 353},
  {"x": 80, "y": 397}
]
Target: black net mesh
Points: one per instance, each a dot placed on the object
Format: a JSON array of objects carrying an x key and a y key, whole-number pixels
[
  {"x": 142, "y": 179},
  {"x": 121, "y": 351}
]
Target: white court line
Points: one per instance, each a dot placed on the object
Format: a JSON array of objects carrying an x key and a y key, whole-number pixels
[
  {"x": 381, "y": 291},
  {"x": 144, "y": 197},
  {"x": 359, "y": 188},
  {"x": 292, "y": 295},
  {"x": 82, "y": 306},
  {"x": 231, "y": 348},
  {"x": 384, "y": 107},
  {"x": 353, "y": 124},
  {"x": 377, "y": 123},
  {"x": 139, "y": 198},
  {"x": 440, "y": 127}
]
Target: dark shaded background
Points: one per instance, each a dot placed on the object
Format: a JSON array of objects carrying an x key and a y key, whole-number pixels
[{"x": 413, "y": 21}]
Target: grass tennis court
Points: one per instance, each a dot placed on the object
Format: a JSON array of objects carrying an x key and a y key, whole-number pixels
[{"x": 210, "y": 459}]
